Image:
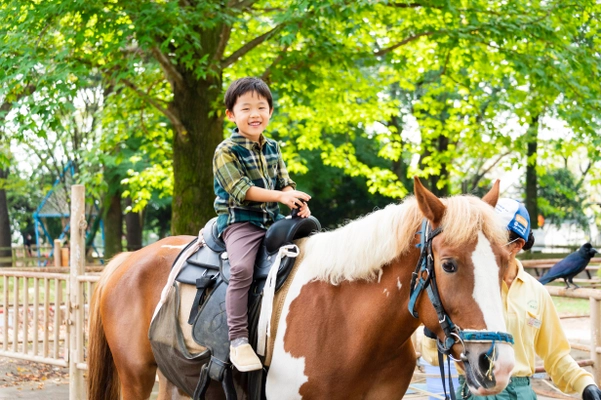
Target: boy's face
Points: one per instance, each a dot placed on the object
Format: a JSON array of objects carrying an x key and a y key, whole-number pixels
[{"x": 251, "y": 115}]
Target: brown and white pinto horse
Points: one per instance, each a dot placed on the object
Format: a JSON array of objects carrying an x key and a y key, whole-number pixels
[{"x": 345, "y": 329}]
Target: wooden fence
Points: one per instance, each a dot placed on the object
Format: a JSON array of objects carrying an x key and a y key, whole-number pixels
[
  {"x": 34, "y": 318},
  {"x": 540, "y": 266},
  {"x": 20, "y": 258}
]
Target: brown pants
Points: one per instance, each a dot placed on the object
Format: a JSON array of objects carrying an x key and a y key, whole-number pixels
[{"x": 242, "y": 241}]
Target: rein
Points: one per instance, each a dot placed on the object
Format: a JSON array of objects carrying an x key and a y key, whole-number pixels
[{"x": 424, "y": 278}]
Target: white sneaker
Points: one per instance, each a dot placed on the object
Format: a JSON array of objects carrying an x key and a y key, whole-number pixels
[{"x": 244, "y": 358}]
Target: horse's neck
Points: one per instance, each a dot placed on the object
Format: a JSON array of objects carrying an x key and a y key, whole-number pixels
[{"x": 376, "y": 309}]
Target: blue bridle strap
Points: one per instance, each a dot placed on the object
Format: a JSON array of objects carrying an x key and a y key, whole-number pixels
[
  {"x": 424, "y": 278},
  {"x": 485, "y": 336},
  {"x": 418, "y": 281}
]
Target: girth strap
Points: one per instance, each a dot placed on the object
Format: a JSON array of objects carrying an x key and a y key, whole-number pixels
[
  {"x": 202, "y": 285},
  {"x": 220, "y": 371}
]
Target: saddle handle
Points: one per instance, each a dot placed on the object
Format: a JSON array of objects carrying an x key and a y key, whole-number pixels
[{"x": 295, "y": 211}]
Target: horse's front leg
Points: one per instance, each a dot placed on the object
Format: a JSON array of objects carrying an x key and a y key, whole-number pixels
[{"x": 394, "y": 377}]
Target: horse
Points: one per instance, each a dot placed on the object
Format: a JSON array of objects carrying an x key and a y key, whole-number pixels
[{"x": 347, "y": 319}]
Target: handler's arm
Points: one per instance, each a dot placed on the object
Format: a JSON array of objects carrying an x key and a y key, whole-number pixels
[
  {"x": 429, "y": 347},
  {"x": 553, "y": 347}
]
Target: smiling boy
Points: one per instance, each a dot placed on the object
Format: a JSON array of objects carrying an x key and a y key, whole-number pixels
[{"x": 250, "y": 179}]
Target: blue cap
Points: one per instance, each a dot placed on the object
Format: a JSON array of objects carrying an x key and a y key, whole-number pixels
[{"x": 514, "y": 216}]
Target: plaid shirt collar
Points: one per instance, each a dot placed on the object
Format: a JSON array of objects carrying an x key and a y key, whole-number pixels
[{"x": 246, "y": 142}]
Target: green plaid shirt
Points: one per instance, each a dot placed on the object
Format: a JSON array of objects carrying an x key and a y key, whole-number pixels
[{"x": 238, "y": 164}]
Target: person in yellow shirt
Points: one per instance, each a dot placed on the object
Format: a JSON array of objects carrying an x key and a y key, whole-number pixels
[{"x": 532, "y": 319}]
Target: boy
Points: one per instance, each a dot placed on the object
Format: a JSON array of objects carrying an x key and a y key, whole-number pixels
[{"x": 250, "y": 179}]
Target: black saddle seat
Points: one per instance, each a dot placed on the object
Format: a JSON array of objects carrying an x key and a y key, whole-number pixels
[
  {"x": 212, "y": 258},
  {"x": 280, "y": 233}
]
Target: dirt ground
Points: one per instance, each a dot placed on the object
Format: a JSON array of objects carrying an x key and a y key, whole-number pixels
[{"x": 14, "y": 372}]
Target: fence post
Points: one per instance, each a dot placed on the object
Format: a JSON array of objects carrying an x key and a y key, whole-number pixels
[
  {"x": 75, "y": 322},
  {"x": 57, "y": 253},
  {"x": 596, "y": 338}
]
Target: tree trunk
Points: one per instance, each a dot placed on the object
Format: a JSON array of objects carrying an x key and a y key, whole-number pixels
[
  {"x": 133, "y": 228},
  {"x": 531, "y": 175},
  {"x": 113, "y": 225},
  {"x": 5, "y": 231},
  {"x": 194, "y": 103}
]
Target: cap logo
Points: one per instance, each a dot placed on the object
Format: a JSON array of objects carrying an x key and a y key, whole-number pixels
[{"x": 521, "y": 220}]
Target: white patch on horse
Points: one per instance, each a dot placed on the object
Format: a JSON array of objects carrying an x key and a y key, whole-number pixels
[
  {"x": 287, "y": 373},
  {"x": 486, "y": 284},
  {"x": 380, "y": 275},
  {"x": 168, "y": 246},
  {"x": 399, "y": 285},
  {"x": 386, "y": 292},
  {"x": 486, "y": 281}
]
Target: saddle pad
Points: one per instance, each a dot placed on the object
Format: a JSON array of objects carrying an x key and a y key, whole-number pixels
[
  {"x": 166, "y": 334},
  {"x": 187, "y": 294}
]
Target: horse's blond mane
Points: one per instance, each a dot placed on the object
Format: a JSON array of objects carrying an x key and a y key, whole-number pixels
[{"x": 359, "y": 250}]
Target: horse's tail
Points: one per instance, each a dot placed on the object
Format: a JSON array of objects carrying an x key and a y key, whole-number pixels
[{"x": 103, "y": 380}]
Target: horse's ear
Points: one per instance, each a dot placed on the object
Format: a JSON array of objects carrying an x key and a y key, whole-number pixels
[
  {"x": 493, "y": 194},
  {"x": 429, "y": 204}
]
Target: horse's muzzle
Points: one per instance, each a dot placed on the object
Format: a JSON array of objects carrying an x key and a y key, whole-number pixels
[{"x": 488, "y": 368}]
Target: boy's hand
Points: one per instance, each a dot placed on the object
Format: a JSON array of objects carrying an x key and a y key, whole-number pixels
[
  {"x": 294, "y": 199},
  {"x": 304, "y": 211}
]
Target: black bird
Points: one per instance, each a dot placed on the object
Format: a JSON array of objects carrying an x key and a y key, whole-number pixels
[{"x": 570, "y": 266}]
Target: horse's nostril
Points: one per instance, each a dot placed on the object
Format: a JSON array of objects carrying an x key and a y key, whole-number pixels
[
  {"x": 486, "y": 364},
  {"x": 483, "y": 363}
]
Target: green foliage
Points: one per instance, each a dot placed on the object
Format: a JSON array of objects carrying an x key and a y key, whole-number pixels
[
  {"x": 561, "y": 198},
  {"x": 337, "y": 196},
  {"x": 379, "y": 90},
  {"x": 24, "y": 194}
]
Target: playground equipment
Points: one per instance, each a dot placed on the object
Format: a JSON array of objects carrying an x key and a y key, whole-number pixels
[{"x": 56, "y": 204}]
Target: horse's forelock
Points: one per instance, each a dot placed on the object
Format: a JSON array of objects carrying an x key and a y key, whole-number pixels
[{"x": 467, "y": 215}]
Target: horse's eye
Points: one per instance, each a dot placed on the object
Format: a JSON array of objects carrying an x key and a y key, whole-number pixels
[{"x": 449, "y": 266}]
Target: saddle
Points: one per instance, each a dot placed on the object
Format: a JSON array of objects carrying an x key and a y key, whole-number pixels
[{"x": 209, "y": 271}]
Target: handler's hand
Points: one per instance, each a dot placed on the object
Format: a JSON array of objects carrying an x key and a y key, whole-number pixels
[
  {"x": 591, "y": 392},
  {"x": 294, "y": 198}
]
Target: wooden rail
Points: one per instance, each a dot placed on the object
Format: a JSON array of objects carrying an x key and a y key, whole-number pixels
[
  {"x": 553, "y": 261},
  {"x": 540, "y": 265},
  {"x": 32, "y": 328},
  {"x": 20, "y": 258},
  {"x": 35, "y": 315}
]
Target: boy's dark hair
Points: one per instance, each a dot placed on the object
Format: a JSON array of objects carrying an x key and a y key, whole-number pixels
[{"x": 244, "y": 85}]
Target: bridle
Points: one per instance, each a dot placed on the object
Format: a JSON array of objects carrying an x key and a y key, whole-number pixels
[{"x": 424, "y": 278}]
